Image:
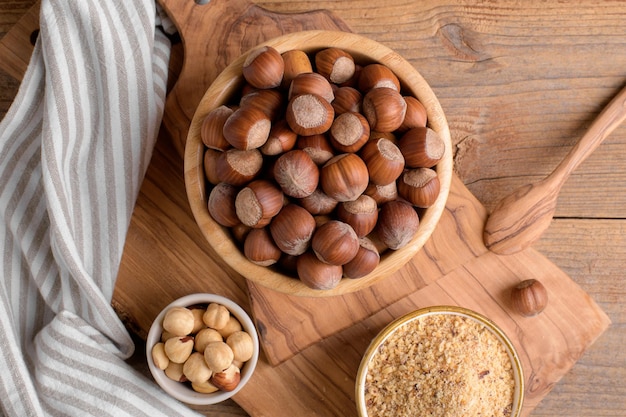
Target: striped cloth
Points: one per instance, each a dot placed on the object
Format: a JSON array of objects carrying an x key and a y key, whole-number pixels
[{"x": 74, "y": 148}]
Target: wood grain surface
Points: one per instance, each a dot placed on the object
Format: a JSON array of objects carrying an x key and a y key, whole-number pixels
[{"x": 519, "y": 85}]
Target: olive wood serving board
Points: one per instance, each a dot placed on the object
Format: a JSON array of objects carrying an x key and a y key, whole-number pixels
[{"x": 312, "y": 346}]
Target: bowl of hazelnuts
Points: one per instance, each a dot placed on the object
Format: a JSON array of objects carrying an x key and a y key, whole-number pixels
[
  {"x": 318, "y": 163},
  {"x": 202, "y": 348}
]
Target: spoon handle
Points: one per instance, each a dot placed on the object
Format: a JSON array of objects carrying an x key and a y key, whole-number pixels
[{"x": 610, "y": 117}]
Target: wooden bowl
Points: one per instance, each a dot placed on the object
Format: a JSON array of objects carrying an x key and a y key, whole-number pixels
[{"x": 229, "y": 82}]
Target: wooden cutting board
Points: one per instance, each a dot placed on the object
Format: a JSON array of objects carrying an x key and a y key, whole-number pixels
[{"x": 313, "y": 346}]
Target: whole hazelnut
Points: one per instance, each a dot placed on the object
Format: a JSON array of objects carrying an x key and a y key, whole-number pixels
[
  {"x": 228, "y": 379},
  {"x": 318, "y": 203},
  {"x": 218, "y": 356},
  {"x": 364, "y": 262},
  {"x": 260, "y": 249},
  {"x": 361, "y": 214},
  {"x": 311, "y": 83},
  {"x": 205, "y": 387},
  {"x": 258, "y": 202},
  {"x": 377, "y": 75},
  {"x": 241, "y": 344},
  {"x": 295, "y": 62},
  {"x": 178, "y": 349},
  {"x": 317, "y": 146},
  {"x": 206, "y": 336},
  {"x": 384, "y": 108},
  {"x": 179, "y": 321},
  {"x": 232, "y": 326},
  {"x": 292, "y": 229},
  {"x": 415, "y": 116},
  {"x": 196, "y": 369},
  {"x": 335, "y": 242},
  {"x": 349, "y": 132},
  {"x": 212, "y": 130},
  {"x": 397, "y": 224},
  {"x": 309, "y": 114},
  {"x": 281, "y": 139},
  {"x": 335, "y": 64},
  {"x": 247, "y": 127},
  {"x": 344, "y": 177},
  {"x": 210, "y": 165},
  {"x": 421, "y": 147},
  {"x": 382, "y": 193},
  {"x": 221, "y": 204},
  {"x": 269, "y": 101},
  {"x": 159, "y": 357},
  {"x": 216, "y": 316},
  {"x": 419, "y": 186},
  {"x": 296, "y": 173},
  {"x": 264, "y": 67},
  {"x": 316, "y": 274},
  {"x": 529, "y": 297},
  {"x": 384, "y": 161},
  {"x": 237, "y": 167},
  {"x": 174, "y": 371},
  {"x": 347, "y": 99}
]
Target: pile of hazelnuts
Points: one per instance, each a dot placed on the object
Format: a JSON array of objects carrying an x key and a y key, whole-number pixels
[{"x": 320, "y": 165}]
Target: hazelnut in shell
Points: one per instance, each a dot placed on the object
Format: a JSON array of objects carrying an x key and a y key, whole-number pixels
[
  {"x": 377, "y": 75},
  {"x": 397, "y": 224},
  {"x": 344, "y": 177},
  {"x": 248, "y": 127},
  {"x": 317, "y": 146},
  {"x": 416, "y": 115},
  {"x": 311, "y": 83},
  {"x": 212, "y": 129},
  {"x": 296, "y": 173},
  {"x": 210, "y": 165},
  {"x": 270, "y": 101},
  {"x": 384, "y": 108},
  {"x": 421, "y": 147},
  {"x": 365, "y": 260},
  {"x": 237, "y": 167},
  {"x": 258, "y": 202},
  {"x": 318, "y": 203},
  {"x": 264, "y": 67},
  {"x": 349, "y": 132},
  {"x": 382, "y": 193},
  {"x": 221, "y": 205},
  {"x": 316, "y": 274},
  {"x": 419, "y": 186},
  {"x": 361, "y": 214},
  {"x": 295, "y": 62},
  {"x": 335, "y": 242},
  {"x": 292, "y": 229},
  {"x": 281, "y": 139},
  {"x": 309, "y": 114},
  {"x": 384, "y": 161},
  {"x": 529, "y": 297},
  {"x": 335, "y": 64},
  {"x": 260, "y": 249},
  {"x": 347, "y": 99}
]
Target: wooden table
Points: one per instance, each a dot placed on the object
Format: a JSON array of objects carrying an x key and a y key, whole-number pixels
[{"x": 519, "y": 86}]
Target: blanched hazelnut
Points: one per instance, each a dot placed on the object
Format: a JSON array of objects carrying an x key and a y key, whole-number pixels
[
  {"x": 205, "y": 387},
  {"x": 218, "y": 356},
  {"x": 206, "y": 336},
  {"x": 174, "y": 371},
  {"x": 178, "y": 321},
  {"x": 197, "y": 319},
  {"x": 159, "y": 357},
  {"x": 233, "y": 326},
  {"x": 216, "y": 316},
  {"x": 196, "y": 369},
  {"x": 241, "y": 344},
  {"x": 178, "y": 349}
]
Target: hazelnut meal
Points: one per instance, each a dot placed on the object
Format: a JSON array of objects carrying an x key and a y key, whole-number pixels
[
  {"x": 338, "y": 138},
  {"x": 443, "y": 365}
]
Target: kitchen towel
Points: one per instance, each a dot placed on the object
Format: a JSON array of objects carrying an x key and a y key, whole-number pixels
[{"x": 74, "y": 148}]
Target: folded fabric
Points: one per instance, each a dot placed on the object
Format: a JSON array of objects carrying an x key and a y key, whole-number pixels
[{"x": 74, "y": 148}]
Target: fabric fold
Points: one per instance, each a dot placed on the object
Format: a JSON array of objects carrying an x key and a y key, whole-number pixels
[{"x": 74, "y": 148}]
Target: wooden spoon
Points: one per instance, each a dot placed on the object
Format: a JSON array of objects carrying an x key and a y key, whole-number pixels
[{"x": 521, "y": 218}]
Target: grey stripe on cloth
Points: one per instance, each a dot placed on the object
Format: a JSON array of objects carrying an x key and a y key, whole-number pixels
[{"x": 74, "y": 148}]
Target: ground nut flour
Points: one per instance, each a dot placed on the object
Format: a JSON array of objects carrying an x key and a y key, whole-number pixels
[{"x": 441, "y": 365}]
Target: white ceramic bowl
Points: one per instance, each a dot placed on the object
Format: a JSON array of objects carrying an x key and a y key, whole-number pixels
[
  {"x": 181, "y": 391},
  {"x": 388, "y": 331}
]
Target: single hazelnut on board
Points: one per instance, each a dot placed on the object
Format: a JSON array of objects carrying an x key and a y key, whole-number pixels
[
  {"x": 529, "y": 297},
  {"x": 264, "y": 67},
  {"x": 179, "y": 321}
]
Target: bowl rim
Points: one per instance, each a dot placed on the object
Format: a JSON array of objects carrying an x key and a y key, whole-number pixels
[
  {"x": 179, "y": 390},
  {"x": 219, "y": 93},
  {"x": 389, "y": 329}
]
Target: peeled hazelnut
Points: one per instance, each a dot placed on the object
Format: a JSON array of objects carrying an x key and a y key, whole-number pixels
[
  {"x": 174, "y": 371},
  {"x": 421, "y": 147},
  {"x": 311, "y": 83},
  {"x": 281, "y": 139},
  {"x": 377, "y": 75},
  {"x": 159, "y": 357},
  {"x": 296, "y": 62},
  {"x": 206, "y": 336},
  {"x": 335, "y": 242},
  {"x": 198, "y": 323},
  {"x": 178, "y": 349},
  {"x": 260, "y": 249},
  {"x": 205, "y": 387},
  {"x": 316, "y": 274},
  {"x": 296, "y": 173},
  {"x": 419, "y": 186},
  {"x": 335, "y": 64},
  {"x": 292, "y": 229},
  {"x": 384, "y": 161},
  {"x": 317, "y": 146},
  {"x": 241, "y": 344},
  {"x": 415, "y": 116},
  {"x": 347, "y": 99},
  {"x": 178, "y": 321},
  {"x": 318, "y": 203},
  {"x": 382, "y": 193},
  {"x": 221, "y": 205},
  {"x": 216, "y": 316},
  {"x": 365, "y": 261},
  {"x": 228, "y": 379},
  {"x": 529, "y": 297},
  {"x": 210, "y": 165},
  {"x": 232, "y": 326},
  {"x": 349, "y": 132},
  {"x": 264, "y": 67},
  {"x": 237, "y": 167},
  {"x": 361, "y": 214},
  {"x": 218, "y": 356},
  {"x": 258, "y": 202},
  {"x": 397, "y": 224},
  {"x": 196, "y": 369},
  {"x": 247, "y": 127},
  {"x": 212, "y": 130},
  {"x": 344, "y": 177},
  {"x": 270, "y": 102},
  {"x": 309, "y": 114},
  {"x": 384, "y": 108}
]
